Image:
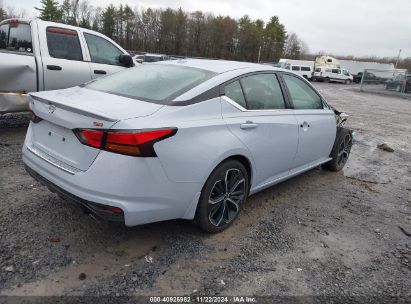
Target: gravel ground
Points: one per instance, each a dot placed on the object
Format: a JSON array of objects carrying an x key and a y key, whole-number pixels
[{"x": 322, "y": 236}]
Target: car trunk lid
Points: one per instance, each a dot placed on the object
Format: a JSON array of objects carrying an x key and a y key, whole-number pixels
[{"x": 63, "y": 111}]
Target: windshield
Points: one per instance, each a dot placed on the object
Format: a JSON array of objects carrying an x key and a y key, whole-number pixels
[{"x": 151, "y": 82}]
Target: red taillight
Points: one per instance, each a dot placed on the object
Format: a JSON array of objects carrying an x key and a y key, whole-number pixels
[
  {"x": 133, "y": 143},
  {"x": 92, "y": 138},
  {"x": 114, "y": 210}
]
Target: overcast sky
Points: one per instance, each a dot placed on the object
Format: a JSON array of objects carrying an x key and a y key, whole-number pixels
[{"x": 349, "y": 27}]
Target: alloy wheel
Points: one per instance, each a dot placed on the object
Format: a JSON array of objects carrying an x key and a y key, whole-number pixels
[
  {"x": 226, "y": 196},
  {"x": 344, "y": 150}
]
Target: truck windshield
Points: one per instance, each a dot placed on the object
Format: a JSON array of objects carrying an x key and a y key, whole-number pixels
[
  {"x": 15, "y": 37},
  {"x": 151, "y": 82}
]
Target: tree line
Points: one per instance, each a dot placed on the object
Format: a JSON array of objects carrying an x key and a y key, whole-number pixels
[{"x": 177, "y": 32}]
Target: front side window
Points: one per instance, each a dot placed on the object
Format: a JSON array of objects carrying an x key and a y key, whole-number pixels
[
  {"x": 306, "y": 69},
  {"x": 16, "y": 37},
  {"x": 235, "y": 92},
  {"x": 335, "y": 71},
  {"x": 262, "y": 91},
  {"x": 302, "y": 95},
  {"x": 102, "y": 50},
  {"x": 151, "y": 82},
  {"x": 64, "y": 44}
]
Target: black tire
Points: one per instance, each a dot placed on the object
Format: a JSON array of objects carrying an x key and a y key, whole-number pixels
[
  {"x": 348, "y": 81},
  {"x": 341, "y": 150},
  {"x": 208, "y": 214},
  {"x": 327, "y": 79}
]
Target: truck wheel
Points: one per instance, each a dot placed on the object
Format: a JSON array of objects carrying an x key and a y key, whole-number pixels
[
  {"x": 327, "y": 79},
  {"x": 341, "y": 150},
  {"x": 348, "y": 81}
]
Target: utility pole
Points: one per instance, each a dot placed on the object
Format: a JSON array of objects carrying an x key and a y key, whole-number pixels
[
  {"x": 398, "y": 58},
  {"x": 259, "y": 54}
]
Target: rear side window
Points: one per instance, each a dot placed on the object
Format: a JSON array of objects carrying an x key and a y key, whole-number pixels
[
  {"x": 64, "y": 44},
  {"x": 262, "y": 91},
  {"x": 16, "y": 38},
  {"x": 295, "y": 68},
  {"x": 302, "y": 95},
  {"x": 151, "y": 82},
  {"x": 102, "y": 50},
  {"x": 234, "y": 92},
  {"x": 306, "y": 69}
]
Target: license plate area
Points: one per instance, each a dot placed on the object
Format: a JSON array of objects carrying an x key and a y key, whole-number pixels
[{"x": 62, "y": 144}]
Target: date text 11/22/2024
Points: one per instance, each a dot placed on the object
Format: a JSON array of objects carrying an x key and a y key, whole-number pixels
[{"x": 202, "y": 299}]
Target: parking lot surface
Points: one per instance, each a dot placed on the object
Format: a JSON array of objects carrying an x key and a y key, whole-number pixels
[{"x": 324, "y": 234}]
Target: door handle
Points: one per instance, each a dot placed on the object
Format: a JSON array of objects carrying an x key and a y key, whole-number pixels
[
  {"x": 102, "y": 72},
  {"x": 248, "y": 125},
  {"x": 54, "y": 67}
]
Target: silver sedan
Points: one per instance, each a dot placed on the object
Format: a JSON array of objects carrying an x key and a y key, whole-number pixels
[{"x": 188, "y": 139}]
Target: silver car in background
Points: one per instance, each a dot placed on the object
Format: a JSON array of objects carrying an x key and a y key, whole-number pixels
[{"x": 188, "y": 139}]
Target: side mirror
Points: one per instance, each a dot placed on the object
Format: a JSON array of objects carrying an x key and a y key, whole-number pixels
[{"x": 126, "y": 60}]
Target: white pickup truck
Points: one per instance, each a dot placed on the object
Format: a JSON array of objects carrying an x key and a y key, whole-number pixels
[{"x": 36, "y": 55}]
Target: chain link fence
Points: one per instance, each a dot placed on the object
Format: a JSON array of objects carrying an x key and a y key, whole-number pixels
[{"x": 393, "y": 82}]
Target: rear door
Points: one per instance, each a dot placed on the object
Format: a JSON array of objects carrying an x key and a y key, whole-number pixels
[
  {"x": 103, "y": 54},
  {"x": 63, "y": 57},
  {"x": 255, "y": 111},
  {"x": 316, "y": 123}
]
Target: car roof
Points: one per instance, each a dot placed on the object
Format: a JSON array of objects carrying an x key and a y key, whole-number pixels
[{"x": 218, "y": 66}]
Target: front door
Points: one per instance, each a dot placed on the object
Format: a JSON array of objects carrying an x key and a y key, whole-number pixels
[
  {"x": 104, "y": 55},
  {"x": 316, "y": 123}
]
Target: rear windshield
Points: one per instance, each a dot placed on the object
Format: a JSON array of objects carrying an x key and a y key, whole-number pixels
[
  {"x": 151, "y": 82},
  {"x": 15, "y": 37}
]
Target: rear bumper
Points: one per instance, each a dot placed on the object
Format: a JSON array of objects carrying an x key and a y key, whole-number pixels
[
  {"x": 94, "y": 208},
  {"x": 13, "y": 102},
  {"x": 138, "y": 186}
]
